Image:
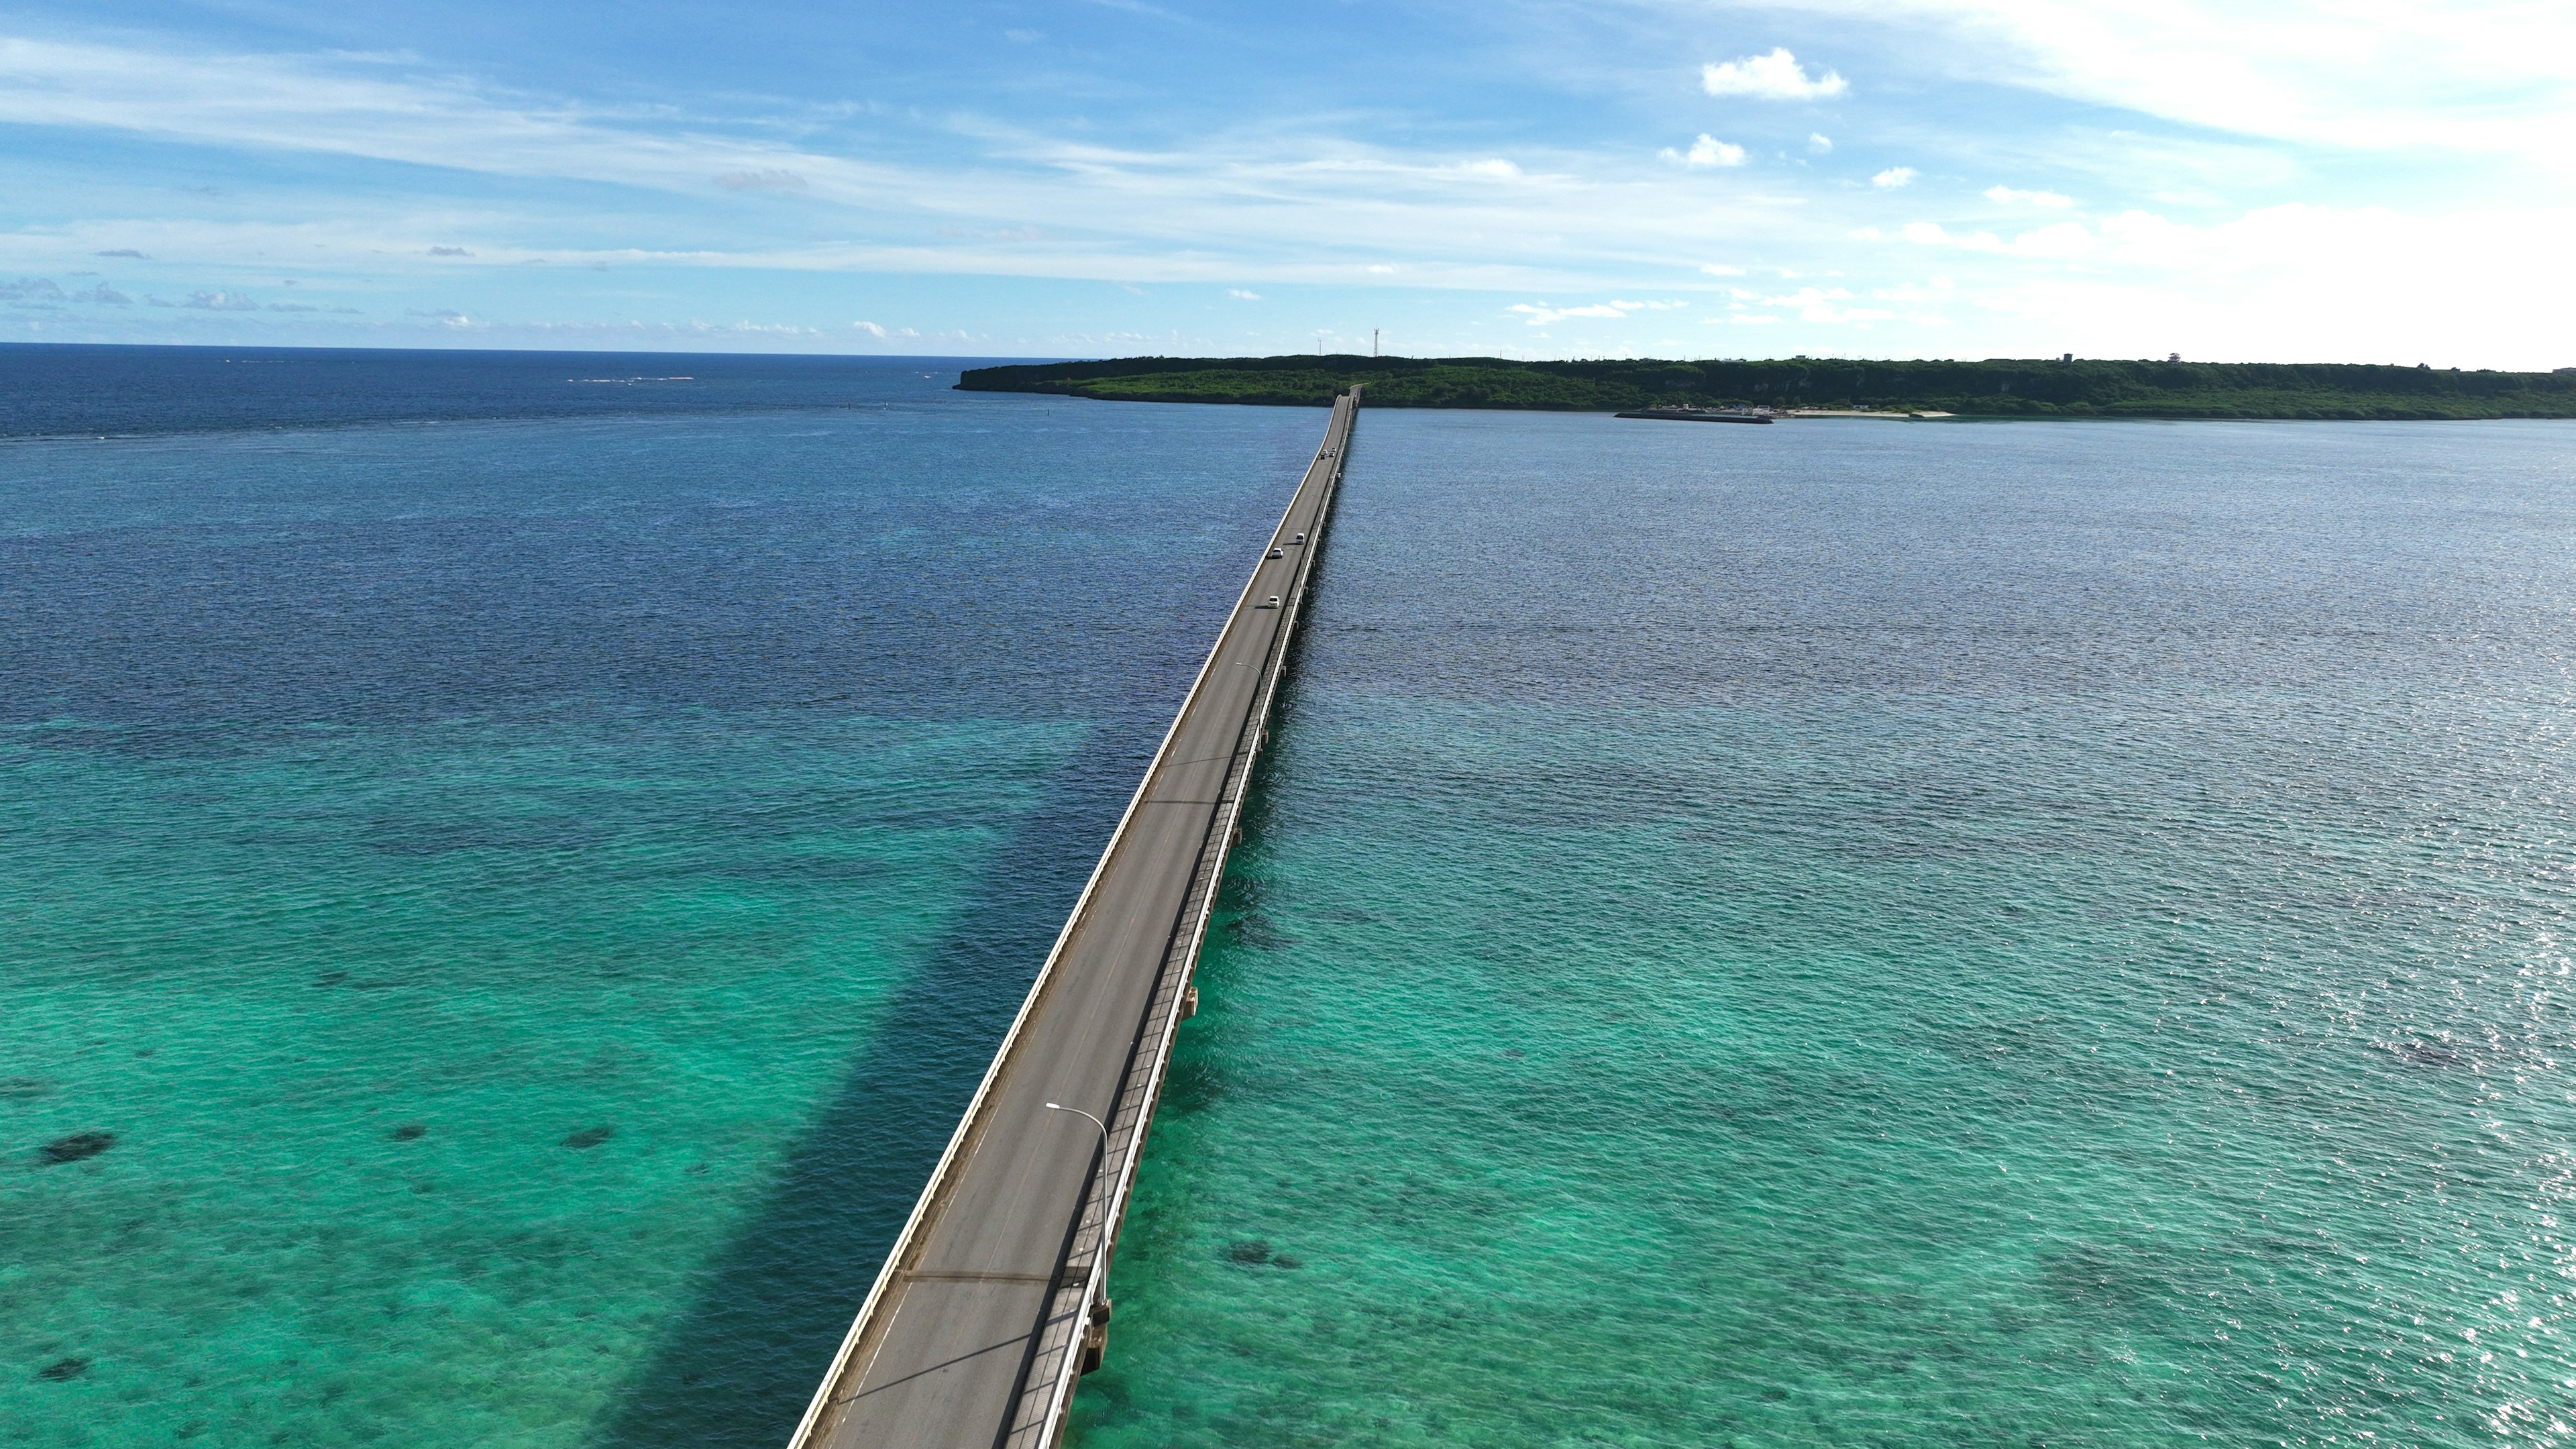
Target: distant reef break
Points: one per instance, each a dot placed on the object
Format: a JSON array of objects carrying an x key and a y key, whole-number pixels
[{"x": 1994, "y": 388}]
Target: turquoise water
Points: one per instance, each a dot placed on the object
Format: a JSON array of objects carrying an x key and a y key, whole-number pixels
[
  {"x": 1831, "y": 934},
  {"x": 263, "y": 972},
  {"x": 497, "y": 914},
  {"x": 1880, "y": 935}
]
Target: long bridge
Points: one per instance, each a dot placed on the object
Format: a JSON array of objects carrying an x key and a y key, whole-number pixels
[{"x": 994, "y": 1299}]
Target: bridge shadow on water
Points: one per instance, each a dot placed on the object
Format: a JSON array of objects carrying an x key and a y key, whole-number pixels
[{"x": 739, "y": 1367}]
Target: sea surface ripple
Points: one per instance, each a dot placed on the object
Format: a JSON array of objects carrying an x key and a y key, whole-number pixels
[
  {"x": 499, "y": 909},
  {"x": 1872, "y": 934}
]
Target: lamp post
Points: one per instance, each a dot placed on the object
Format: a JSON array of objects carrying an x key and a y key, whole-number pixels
[
  {"x": 1094, "y": 1121},
  {"x": 1095, "y": 1330}
]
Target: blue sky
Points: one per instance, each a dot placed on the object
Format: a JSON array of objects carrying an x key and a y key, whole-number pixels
[{"x": 2361, "y": 180}]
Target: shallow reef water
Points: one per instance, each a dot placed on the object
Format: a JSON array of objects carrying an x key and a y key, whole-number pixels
[{"x": 495, "y": 909}]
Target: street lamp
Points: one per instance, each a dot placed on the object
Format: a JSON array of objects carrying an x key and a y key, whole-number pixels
[
  {"x": 1095, "y": 1332},
  {"x": 1094, "y": 1121}
]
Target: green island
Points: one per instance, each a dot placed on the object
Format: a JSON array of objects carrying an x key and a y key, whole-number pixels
[{"x": 1993, "y": 388}]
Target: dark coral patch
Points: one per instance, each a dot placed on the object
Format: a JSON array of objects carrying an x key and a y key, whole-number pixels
[
  {"x": 77, "y": 1146},
  {"x": 409, "y": 1131},
  {"x": 590, "y": 1137},
  {"x": 64, "y": 1368}
]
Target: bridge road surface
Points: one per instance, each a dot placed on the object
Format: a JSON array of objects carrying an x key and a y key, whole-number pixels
[{"x": 978, "y": 1325}]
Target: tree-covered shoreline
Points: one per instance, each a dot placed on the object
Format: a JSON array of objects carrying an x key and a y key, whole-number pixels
[{"x": 1994, "y": 388}]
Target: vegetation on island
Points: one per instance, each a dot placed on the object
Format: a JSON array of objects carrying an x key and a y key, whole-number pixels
[{"x": 1996, "y": 387}]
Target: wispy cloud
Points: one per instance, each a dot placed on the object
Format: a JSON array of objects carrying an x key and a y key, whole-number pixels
[
  {"x": 1139, "y": 7},
  {"x": 1240, "y": 295},
  {"x": 48, "y": 292},
  {"x": 1541, "y": 314},
  {"x": 774, "y": 179},
  {"x": 291, "y": 104},
  {"x": 1894, "y": 176},
  {"x": 1774, "y": 77}
]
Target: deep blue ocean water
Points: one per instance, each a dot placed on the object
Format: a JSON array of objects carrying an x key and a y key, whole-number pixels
[
  {"x": 1842, "y": 933},
  {"x": 50, "y": 390}
]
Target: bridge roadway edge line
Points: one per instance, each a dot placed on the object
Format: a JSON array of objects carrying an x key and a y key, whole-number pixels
[{"x": 1203, "y": 892}]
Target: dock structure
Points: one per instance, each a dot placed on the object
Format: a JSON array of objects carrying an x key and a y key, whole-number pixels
[{"x": 994, "y": 1299}]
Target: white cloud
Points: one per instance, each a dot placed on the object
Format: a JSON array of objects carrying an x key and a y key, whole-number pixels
[
  {"x": 1819, "y": 142},
  {"x": 1240, "y": 295},
  {"x": 220, "y": 302},
  {"x": 2476, "y": 75},
  {"x": 1894, "y": 176},
  {"x": 1715, "y": 269},
  {"x": 1706, "y": 151},
  {"x": 2007, "y": 196},
  {"x": 2290, "y": 239},
  {"x": 1542, "y": 314},
  {"x": 1773, "y": 77},
  {"x": 1820, "y": 305},
  {"x": 1292, "y": 204},
  {"x": 2317, "y": 277}
]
